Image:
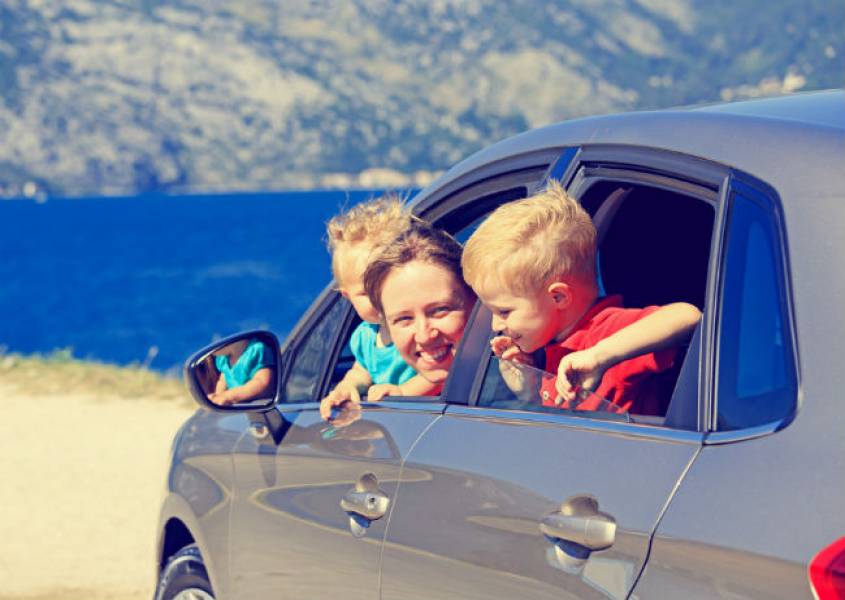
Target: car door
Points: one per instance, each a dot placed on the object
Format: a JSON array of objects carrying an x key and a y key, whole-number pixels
[
  {"x": 521, "y": 501},
  {"x": 290, "y": 538}
]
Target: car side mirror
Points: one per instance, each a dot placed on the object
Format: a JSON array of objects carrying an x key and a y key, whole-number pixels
[{"x": 240, "y": 373}]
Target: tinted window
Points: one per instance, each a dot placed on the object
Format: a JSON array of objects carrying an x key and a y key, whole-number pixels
[
  {"x": 757, "y": 380},
  {"x": 312, "y": 353}
]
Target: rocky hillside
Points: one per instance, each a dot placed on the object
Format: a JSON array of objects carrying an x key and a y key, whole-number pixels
[{"x": 121, "y": 97}]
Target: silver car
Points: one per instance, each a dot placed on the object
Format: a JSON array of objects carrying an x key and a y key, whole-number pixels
[{"x": 738, "y": 491}]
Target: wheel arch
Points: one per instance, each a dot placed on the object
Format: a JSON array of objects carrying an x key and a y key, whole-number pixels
[{"x": 179, "y": 527}]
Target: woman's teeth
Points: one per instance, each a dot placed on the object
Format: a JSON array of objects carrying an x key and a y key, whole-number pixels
[{"x": 436, "y": 355}]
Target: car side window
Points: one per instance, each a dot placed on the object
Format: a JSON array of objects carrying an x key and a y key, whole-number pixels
[
  {"x": 757, "y": 380},
  {"x": 304, "y": 374},
  {"x": 645, "y": 263}
]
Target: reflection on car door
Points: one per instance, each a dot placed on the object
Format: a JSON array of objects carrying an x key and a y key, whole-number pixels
[
  {"x": 471, "y": 527},
  {"x": 290, "y": 537}
]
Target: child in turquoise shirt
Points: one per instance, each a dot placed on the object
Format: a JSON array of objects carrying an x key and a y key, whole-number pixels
[
  {"x": 246, "y": 372},
  {"x": 354, "y": 237}
]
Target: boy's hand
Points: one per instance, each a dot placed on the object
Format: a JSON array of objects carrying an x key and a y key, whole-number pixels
[
  {"x": 517, "y": 380},
  {"x": 505, "y": 348},
  {"x": 380, "y": 390},
  {"x": 579, "y": 373},
  {"x": 338, "y": 396}
]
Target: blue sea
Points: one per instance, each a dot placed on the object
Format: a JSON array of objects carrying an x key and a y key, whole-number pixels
[{"x": 151, "y": 279}]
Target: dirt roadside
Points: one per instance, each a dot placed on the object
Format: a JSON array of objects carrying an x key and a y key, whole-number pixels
[{"x": 82, "y": 479}]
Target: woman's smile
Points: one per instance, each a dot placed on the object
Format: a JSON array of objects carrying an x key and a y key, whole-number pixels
[{"x": 426, "y": 309}]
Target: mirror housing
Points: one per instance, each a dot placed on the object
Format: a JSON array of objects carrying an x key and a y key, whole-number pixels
[{"x": 241, "y": 373}]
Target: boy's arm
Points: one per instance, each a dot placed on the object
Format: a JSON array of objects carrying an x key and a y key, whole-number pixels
[
  {"x": 668, "y": 326},
  {"x": 252, "y": 389},
  {"x": 348, "y": 389},
  {"x": 415, "y": 386}
]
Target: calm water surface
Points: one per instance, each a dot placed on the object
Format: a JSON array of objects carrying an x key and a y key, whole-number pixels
[{"x": 113, "y": 278}]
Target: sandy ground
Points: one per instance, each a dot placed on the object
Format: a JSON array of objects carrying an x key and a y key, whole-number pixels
[{"x": 82, "y": 479}]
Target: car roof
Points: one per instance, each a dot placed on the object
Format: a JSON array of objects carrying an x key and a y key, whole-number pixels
[
  {"x": 825, "y": 108},
  {"x": 794, "y": 143}
]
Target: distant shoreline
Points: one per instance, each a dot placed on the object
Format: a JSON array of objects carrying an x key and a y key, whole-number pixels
[{"x": 375, "y": 179}]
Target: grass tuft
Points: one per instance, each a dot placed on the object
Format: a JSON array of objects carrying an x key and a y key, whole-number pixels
[{"x": 58, "y": 372}]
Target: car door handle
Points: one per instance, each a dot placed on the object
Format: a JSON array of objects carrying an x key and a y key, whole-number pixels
[
  {"x": 366, "y": 499},
  {"x": 579, "y": 521}
]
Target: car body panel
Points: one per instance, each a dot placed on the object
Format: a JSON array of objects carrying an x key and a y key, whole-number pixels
[
  {"x": 750, "y": 516},
  {"x": 288, "y": 499},
  {"x": 473, "y": 525},
  {"x": 199, "y": 485}
]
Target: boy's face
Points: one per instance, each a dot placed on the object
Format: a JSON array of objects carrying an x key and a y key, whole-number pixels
[
  {"x": 353, "y": 263},
  {"x": 532, "y": 320}
]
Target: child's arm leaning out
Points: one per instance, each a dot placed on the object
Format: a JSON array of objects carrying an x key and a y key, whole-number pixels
[
  {"x": 668, "y": 326},
  {"x": 348, "y": 389},
  {"x": 415, "y": 386},
  {"x": 252, "y": 389}
]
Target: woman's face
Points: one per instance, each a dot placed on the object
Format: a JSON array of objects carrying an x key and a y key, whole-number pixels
[{"x": 426, "y": 309}]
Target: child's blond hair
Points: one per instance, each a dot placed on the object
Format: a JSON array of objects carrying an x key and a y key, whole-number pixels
[
  {"x": 526, "y": 244},
  {"x": 372, "y": 224}
]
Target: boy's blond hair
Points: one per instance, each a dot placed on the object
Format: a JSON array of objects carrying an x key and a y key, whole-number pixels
[
  {"x": 373, "y": 224},
  {"x": 526, "y": 244}
]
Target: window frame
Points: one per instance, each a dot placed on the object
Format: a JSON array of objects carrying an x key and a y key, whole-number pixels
[
  {"x": 474, "y": 344},
  {"x": 300, "y": 335},
  {"x": 767, "y": 197},
  {"x": 586, "y": 165}
]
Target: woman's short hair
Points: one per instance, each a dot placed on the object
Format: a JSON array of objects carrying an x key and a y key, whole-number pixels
[{"x": 420, "y": 241}]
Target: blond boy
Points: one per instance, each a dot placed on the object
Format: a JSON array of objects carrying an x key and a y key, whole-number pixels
[
  {"x": 533, "y": 264},
  {"x": 355, "y": 237}
]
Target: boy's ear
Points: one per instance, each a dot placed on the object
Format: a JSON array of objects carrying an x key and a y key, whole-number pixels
[
  {"x": 561, "y": 294},
  {"x": 343, "y": 293}
]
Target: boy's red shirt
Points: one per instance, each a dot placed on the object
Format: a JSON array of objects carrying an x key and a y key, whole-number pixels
[{"x": 629, "y": 386}]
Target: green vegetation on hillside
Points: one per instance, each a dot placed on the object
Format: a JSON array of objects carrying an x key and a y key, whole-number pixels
[{"x": 109, "y": 97}]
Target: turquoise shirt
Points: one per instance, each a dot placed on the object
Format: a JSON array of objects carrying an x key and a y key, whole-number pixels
[
  {"x": 382, "y": 363},
  {"x": 255, "y": 356}
]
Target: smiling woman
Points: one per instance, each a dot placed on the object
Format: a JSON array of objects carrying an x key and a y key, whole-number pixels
[{"x": 417, "y": 285}]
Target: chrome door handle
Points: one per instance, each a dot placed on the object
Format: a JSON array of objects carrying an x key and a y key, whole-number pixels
[
  {"x": 365, "y": 499},
  {"x": 579, "y": 521}
]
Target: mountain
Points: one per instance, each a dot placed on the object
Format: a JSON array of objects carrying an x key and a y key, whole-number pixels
[{"x": 122, "y": 97}]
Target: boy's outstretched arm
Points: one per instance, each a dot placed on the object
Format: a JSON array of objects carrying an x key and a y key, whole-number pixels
[
  {"x": 415, "y": 386},
  {"x": 668, "y": 326},
  {"x": 348, "y": 389}
]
